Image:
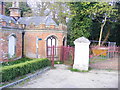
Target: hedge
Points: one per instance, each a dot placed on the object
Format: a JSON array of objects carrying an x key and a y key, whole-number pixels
[
  {"x": 16, "y": 61},
  {"x": 10, "y": 72}
]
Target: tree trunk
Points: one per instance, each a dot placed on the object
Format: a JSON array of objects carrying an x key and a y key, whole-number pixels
[
  {"x": 107, "y": 36},
  {"x": 101, "y": 30}
]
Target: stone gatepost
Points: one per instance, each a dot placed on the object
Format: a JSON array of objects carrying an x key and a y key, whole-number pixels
[{"x": 81, "y": 59}]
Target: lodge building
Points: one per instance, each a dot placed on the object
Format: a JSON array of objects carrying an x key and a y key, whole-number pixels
[{"x": 28, "y": 36}]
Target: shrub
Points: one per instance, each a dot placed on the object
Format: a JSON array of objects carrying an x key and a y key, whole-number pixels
[
  {"x": 16, "y": 61},
  {"x": 10, "y": 72}
]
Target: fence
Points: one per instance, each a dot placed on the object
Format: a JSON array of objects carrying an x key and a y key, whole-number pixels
[
  {"x": 104, "y": 57},
  {"x": 108, "y": 50},
  {"x": 95, "y": 43},
  {"x": 64, "y": 54}
]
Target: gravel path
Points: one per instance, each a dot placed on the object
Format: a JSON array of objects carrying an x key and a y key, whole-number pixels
[
  {"x": 107, "y": 64},
  {"x": 61, "y": 77}
]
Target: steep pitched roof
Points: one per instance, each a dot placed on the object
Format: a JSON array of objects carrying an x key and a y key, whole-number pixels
[
  {"x": 7, "y": 18},
  {"x": 37, "y": 20}
]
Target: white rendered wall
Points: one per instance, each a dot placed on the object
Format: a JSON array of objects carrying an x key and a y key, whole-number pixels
[{"x": 81, "y": 59}]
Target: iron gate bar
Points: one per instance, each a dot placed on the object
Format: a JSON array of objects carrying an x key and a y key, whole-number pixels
[{"x": 63, "y": 53}]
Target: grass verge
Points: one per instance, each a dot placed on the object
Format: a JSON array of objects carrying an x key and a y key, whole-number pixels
[{"x": 77, "y": 70}]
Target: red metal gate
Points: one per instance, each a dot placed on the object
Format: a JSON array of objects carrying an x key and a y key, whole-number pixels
[{"x": 64, "y": 54}]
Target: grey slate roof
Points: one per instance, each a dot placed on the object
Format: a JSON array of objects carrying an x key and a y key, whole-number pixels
[
  {"x": 7, "y": 18},
  {"x": 37, "y": 20}
]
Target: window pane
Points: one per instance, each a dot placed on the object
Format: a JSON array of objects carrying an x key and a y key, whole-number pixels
[
  {"x": 49, "y": 51},
  {"x": 49, "y": 42},
  {"x": 53, "y": 42}
]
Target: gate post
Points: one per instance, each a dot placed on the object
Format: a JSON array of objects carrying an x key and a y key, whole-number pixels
[
  {"x": 68, "y": 52},
  {"x": 81, "y": 59},
  {"x": 53, "y": 48},
  {"x": 61, "y": 53}
]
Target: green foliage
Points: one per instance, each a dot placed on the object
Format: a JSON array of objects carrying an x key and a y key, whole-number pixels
[
  {"x": 104, "y": 13},
  {"x": 77, "y": 70},
  {"x": 60, "y": 12},
  {"x": 87, "y": 20},
  {"x": 115, "y": 33},
  {"x": 58, "y": 62},
  {"x": 25, "y": 9},
  {"x": 10, "y": 72},
  {"x": 22, "y": 60},
  {"x": 115, "y": 28},
  {"x": 80, "y": 23},
  {"x": 7, "y": 5}
]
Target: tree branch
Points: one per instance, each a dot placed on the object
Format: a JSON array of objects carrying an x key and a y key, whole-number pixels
[{"x": 101, "y": 31}]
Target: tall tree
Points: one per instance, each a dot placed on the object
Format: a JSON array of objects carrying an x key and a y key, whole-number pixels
[
  {"x": 58, "y": 10},
  {"x": 87, "y": 13},
  {"x": 7, "y": 5},
  {"x": 80, "y": 22},
  {"x": 104, "y": 13},
  {"x": 25, "y": 9}
]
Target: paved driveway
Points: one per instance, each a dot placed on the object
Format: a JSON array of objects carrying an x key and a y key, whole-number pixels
[{"x": 61, "y": 77}]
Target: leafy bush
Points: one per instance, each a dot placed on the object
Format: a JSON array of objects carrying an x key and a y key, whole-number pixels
[
  {"x": 10, "y": 72},
  {"x": 16, "y": 61}
]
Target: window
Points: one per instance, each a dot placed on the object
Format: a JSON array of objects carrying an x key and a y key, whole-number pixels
[
  {"x": 51, "y": 41},
  {"x": 11, "y": 46},
  {"x": 64, "y": 41}
]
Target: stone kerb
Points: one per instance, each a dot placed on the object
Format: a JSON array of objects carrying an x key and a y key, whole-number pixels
[{"x": 81, "y": 59}]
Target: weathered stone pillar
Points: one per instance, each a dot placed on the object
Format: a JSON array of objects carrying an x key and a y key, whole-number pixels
[{"x": 81, "y": 59}]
